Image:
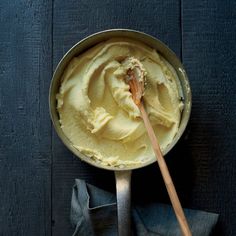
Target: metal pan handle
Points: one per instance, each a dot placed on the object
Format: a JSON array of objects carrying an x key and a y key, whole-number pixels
[{"x": 123, "y": 192}]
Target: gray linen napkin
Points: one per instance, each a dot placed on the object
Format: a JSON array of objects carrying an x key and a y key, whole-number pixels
[{"x": 93, "y": 212}]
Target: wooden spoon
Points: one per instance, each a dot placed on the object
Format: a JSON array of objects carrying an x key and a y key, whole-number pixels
[{"x": 137, "y": 89}]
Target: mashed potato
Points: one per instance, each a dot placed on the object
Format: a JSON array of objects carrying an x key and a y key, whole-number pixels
[{"x": 96, "y": 109}]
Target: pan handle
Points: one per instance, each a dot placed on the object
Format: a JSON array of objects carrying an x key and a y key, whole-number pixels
[{"x": 123, "y": 192}]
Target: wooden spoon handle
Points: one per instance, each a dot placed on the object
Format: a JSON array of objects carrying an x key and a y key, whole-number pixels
[{"x": 166, "y": 175}]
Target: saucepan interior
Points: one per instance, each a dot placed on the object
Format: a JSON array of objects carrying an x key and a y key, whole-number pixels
[{"x": 94, "y": 39}]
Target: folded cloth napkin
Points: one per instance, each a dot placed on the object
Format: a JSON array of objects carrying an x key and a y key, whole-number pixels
[{"x": 93, "y": 212}]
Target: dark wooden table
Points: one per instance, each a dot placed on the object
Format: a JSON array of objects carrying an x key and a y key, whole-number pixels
[{"x": 37, "y": 171}]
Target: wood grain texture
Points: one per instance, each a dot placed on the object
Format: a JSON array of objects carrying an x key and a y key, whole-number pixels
[
  {"x": 209, "y": 55},
  {"x": 25, "y": 141},
  {"x": 72, "y": 21},
  {"x": 35, "y": 34}
]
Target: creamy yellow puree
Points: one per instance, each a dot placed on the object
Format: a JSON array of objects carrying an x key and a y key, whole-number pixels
[{"x": 96, "y": 109}]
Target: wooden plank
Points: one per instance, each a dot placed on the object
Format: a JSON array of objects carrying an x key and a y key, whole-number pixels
[
  {"x": 72, "y": 21},
  {"x": 25, "y": 142},
  {"x": 209, "y": 53}
]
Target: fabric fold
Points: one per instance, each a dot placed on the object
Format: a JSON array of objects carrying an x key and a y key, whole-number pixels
[{"x": 94, "y": 212}]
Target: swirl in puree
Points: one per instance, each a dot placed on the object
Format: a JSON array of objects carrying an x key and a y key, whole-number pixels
[{"x": 96, "y": 109}]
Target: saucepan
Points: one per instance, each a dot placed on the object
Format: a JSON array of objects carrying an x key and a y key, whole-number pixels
[{"x": 122, "y": 175}]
